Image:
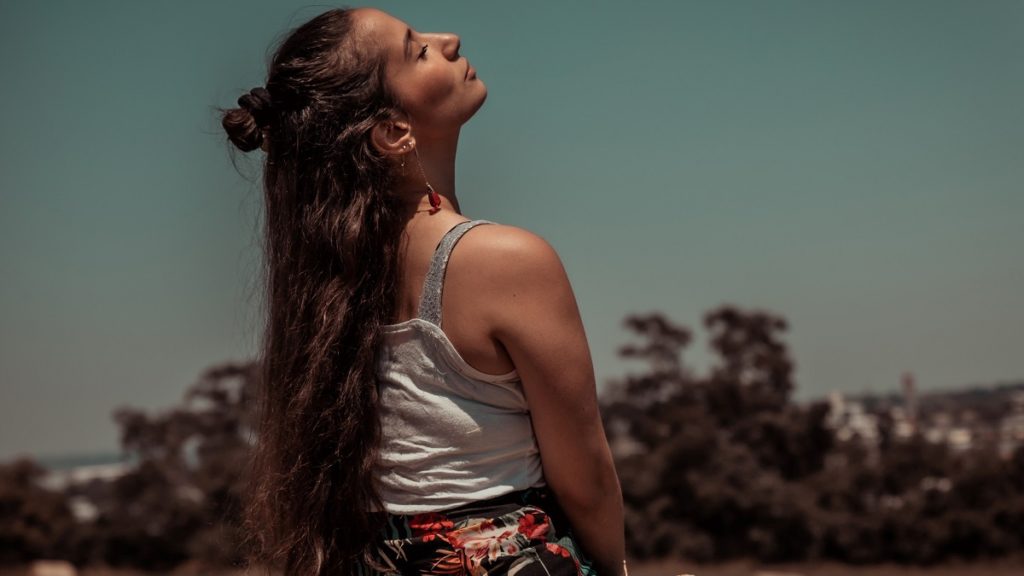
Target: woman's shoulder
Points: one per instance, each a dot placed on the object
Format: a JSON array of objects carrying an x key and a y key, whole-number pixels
[
  {"x": 518, "y": 279},
  {"x": 510, "y": 250}
]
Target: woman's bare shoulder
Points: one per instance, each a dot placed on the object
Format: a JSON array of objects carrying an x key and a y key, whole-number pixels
[{"x": 510, "y": 250}]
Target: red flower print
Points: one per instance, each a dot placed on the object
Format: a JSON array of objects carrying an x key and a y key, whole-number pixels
[
  {"x": 556, "y": 549},
  {"x": 533, "y": 530},
  {"x": 429, "y": 522},
  {"x": 478, "y": 545}
]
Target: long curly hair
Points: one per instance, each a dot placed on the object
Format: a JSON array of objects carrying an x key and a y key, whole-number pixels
[{"x": 332, "y": 232}]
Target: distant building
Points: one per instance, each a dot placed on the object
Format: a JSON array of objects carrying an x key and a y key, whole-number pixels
[
  {"x": 966, "y": 419},
  {"x": 1011, "y": 429},
  {"x": 910, "y": 398},
  {"x": 850, "y": 419},
  {"x": 903, "y": 426}
]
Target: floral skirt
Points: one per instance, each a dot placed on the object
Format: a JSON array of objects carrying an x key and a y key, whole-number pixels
[{"x": 524, "y": 533}]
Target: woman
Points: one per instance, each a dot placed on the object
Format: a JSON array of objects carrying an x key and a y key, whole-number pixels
[{"x": 386, "y": 444}]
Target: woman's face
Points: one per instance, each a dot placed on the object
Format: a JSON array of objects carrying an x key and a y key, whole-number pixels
[{"x": 436, "y": 87}]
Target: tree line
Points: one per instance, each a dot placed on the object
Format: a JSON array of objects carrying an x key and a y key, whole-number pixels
[
  {"x": 713, "y": 466},
  {"x": 725, "y": 465}
]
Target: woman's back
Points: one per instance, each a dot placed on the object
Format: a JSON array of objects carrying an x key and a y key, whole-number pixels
[
  {"x": 507, "y": 296},
  {"x": 464, "y": 308},
  {"x": 451, "y": 434},
  {"x": 460, "y": 470}
]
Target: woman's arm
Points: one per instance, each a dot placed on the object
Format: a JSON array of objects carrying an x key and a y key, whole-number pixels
[{"x": 536, "y": 319}]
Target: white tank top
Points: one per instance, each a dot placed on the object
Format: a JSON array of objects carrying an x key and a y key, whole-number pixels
[{"x": 451, "y": 434}]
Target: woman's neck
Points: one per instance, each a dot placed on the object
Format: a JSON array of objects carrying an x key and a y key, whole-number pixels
[{"x": 437, "y": 157}]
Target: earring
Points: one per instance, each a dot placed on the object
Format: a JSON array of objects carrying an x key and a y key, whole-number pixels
[{"x": 435, "y": 198}]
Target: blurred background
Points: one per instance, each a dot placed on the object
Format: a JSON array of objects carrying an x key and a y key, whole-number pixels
[{"x": 793, "y": 229}]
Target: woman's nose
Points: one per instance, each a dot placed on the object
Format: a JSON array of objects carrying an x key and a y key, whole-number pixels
[{"x": 452, "y": 43}]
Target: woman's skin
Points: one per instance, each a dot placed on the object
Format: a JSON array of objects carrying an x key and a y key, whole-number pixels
[{"x": 507, "y": 301}]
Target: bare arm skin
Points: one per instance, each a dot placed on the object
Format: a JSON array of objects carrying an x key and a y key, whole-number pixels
[{"x": 535, "y": 317}]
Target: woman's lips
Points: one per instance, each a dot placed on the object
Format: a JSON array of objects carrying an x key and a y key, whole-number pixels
[{"x": 470, "y": 72}]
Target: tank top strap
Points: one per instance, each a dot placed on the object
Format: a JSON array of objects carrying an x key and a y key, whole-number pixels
[{"x": 430, "y": 298}]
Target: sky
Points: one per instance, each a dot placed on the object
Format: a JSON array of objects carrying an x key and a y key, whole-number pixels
[{"x": 854, "y": 167}]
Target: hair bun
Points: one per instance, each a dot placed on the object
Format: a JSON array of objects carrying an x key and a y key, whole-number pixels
[
  {"x": 244, "y": 125},
  {"x": 258, "y": 103}
]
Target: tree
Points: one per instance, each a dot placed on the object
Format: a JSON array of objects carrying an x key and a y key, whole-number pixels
[
  {"x": 183, "y": 500},
  {"x": 712, "y": 456},
  {"x": 34, "y": 522}
]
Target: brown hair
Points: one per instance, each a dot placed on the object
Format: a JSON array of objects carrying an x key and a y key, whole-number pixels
[{"x": 331, "y": 263}]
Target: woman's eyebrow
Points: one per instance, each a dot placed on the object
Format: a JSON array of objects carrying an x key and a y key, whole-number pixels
[{"x": 408, "y": 39}]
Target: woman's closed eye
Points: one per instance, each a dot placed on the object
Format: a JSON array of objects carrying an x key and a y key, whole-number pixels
[{"x": 423, "y": 51}]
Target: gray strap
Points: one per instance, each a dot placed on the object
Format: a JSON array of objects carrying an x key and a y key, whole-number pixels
[{"x": 430, "y": 299}]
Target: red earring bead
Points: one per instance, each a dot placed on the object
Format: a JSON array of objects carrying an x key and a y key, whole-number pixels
[{"x": 435, "y": 198}]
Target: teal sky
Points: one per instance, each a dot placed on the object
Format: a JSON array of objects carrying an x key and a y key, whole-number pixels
[{"x": 856, "y": 167}]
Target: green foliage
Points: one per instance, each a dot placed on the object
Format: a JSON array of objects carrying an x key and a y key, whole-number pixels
[
  {"x": 725, "y": 465},
  {"x": 180, "y": 502},
  {"x": 34, "y": 522},
  {"x": 183, "y": 501}
]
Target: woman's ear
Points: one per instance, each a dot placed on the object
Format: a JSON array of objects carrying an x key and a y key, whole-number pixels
[{"x": 390, "y": 136}]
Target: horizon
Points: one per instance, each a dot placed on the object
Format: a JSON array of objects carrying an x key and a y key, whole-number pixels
[{"x": 73, "y": 459}]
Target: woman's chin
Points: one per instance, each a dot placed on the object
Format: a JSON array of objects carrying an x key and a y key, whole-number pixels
[{"x": 483, "y": 96}]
